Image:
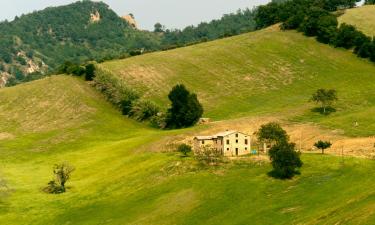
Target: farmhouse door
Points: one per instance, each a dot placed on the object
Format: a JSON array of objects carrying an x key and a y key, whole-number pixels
[{"x": 236, "y": 151}]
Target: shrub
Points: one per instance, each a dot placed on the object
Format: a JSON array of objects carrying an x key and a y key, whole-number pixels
[
  {"x": 184, "y": 149},
  {"x": 285, "y": 160},
  {"x": 185, "y": 110},
  {"x": 143, "y": 110},
  {"x": 89, "y": 72},
  {"x": 207, "y": 155},
  {"x": 62, "y": 173},
  {"x": 115, "y": 90},
  {"x": 159, "y": 121}
]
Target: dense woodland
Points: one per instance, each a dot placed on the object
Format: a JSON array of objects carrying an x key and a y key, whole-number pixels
[{"x": 48, "y": 38}]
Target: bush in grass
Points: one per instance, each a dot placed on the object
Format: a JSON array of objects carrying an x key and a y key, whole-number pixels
[
  {"x": 285, "y": 160},
  {"x": 184, "y": 149},
  {"x": 143, "y": 110},
  {"x": 159, "y": 120},
  {"x": 62, "y": 173},
  {"x": 208, "y": 155}
]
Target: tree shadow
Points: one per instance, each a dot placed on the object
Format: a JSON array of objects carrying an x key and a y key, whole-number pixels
[
  {"x": 320, "y": 110},
  {"x": 277, "y": 175}
]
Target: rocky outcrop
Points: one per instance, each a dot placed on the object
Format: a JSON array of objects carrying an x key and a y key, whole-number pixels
[{"x": 130, "y": 19}]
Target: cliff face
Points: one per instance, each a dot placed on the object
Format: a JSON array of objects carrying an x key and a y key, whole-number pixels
[{"x": 130, "y": 19}]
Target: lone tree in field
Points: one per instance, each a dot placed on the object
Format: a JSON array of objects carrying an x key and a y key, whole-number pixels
[
  {"x": 185, "y": 110},
  {"x": 272, "y": 133},
  {"x": 62, "y": 173},
  {"x": 285, "y": 160},
  {"x": 184, "y": 149},
  {"x": 326, "y": 98},
  {"x": 323, "y": 145}
]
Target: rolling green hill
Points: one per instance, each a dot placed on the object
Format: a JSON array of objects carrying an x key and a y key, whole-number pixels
[
  {"x": 124, "y": 175},
  {"x": 119, "y": 181},
  {"x": 263, "y": 72},
  {"x": 362, "y": 17}
]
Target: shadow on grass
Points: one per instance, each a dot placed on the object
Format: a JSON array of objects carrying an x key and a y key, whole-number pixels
[
  {"x": 279, "y": 176},
  {"x": 320, "y": 110}
]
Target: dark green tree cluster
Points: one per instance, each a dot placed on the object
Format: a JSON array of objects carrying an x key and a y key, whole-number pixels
[
  {"x": 315, "y": 18},
  {"x": 88, "y": 70},
  {"x": 185, "y": 110},
  {"x": 284, "y": 158},
  {"x": 230, "y": 24}
]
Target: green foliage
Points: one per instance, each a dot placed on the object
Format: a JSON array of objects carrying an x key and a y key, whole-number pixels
[
  {"x": 209, "y": 156},
  {"x": 230, "y": 24},
  {"x": 66, "y": 33},
  {"x": 369, "y": 2},
  {"x": 272, "y": 133},
  {"x": 89, "y": 72},
  {"x": 115, "y": 90},
  {"x": 285, "y": 160},
  {"x": 322, "y": 145},
  {"x": 143, "y": 110},
  {"x": 314, "y": 18},
  {"x": 185, "y": 110},
  {"x": 325, "y": 98},
  {"x": 62, "y": 173},
  {"x": 184, "y": 149}
]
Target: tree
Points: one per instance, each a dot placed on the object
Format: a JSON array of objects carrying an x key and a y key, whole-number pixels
[
  {"x": 62, "y": 173},
  {"x": 158, "y": 28},
  {"x": 285, "y": 160},
  {"x": 325, "y": 98},
  {"x": 272, "y": 133},
  {"x": 184, "y": 149},
  {"x": 185, "y": 110},
  {"x": 322, "y": 145},
  {"x": 90, "y": 72}
]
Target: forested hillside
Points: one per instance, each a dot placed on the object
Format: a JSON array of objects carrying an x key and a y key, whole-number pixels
[
  {"x": 85, "y": 30},
  {"x": 36, "y": 43}
]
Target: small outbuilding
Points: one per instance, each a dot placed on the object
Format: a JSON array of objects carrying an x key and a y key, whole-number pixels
[{"x": 229, "y": 143}]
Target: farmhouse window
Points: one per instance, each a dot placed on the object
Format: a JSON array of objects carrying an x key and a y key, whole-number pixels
[
  {"x": 237, "y": 141},
  {"x": 245, "y": 141},
  {"x": 236, "y": 135},
  {"x": 203, "y": 142},
  {"x": 227, "y": 142},
  {"x": 227, "y": 149}
]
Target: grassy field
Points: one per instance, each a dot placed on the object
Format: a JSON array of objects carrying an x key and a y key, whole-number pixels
[
  {"x": 118, "y": 181},
  {"x": 264, "y": 72},
  {"x": 362, "y": 17},
  {"x": 122, "y": 174}
]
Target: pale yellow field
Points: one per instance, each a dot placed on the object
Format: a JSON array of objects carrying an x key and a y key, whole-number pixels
[{"x": 363, "y": 18}]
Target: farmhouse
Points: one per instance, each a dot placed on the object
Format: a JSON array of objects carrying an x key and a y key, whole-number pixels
[{"x": 229, "y": 143}]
